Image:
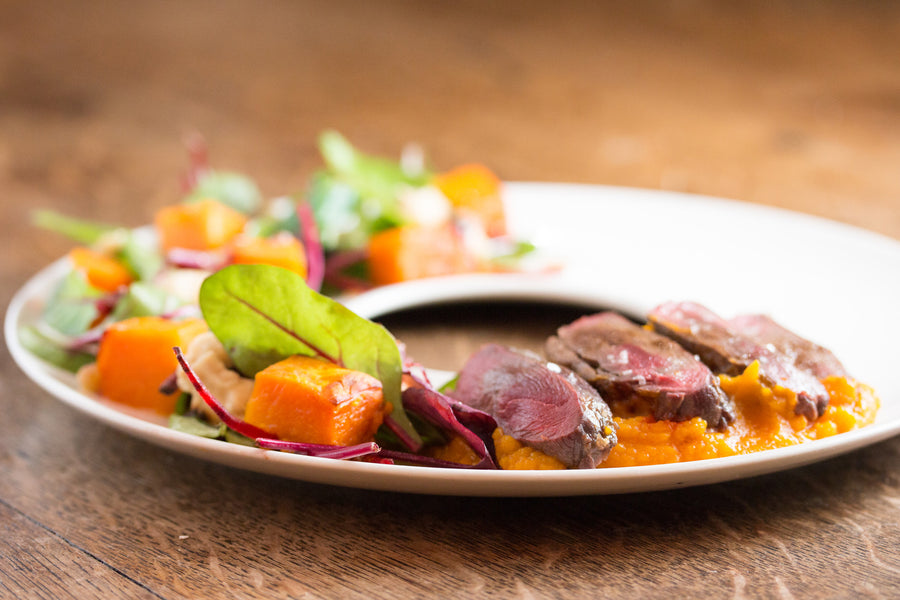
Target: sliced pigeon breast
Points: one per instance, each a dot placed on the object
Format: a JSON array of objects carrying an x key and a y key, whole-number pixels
[
  {"x": 540, "y": 404},
  {"x": 725, "y": 348},
  {"x": 638, "y": 371}
]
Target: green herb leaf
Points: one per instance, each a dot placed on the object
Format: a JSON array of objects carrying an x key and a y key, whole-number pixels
[
  {"x": 46, "y": 349},
  {"x": 358, "y": 194},
  {"x": 336, "y": 206},
  {"x": 514, "y": 256},
  {"x": 263, "y": 314},
  {"x": 143, "y": 300},
  {"x": 196, "y": 426},
  {"x": 369, "y": 175},
  {"x": 82, "y": 231},
  {"x": 236, "y": 190},
  {"x": 233, "y": 437},
  {"x": 72, "y": 308},
  {"x": 141, "y": 255},
  {"x": 280, "y": 215}
]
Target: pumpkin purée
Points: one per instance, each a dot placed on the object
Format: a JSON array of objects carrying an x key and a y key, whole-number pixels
[{"x": 764, "y": 419}]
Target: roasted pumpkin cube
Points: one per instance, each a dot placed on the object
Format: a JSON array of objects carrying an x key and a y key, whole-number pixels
[
  {"x": 307, "y": 400},
  {"x": 284, "y": 251},
  {"x": 474, "y": 190},
  {"x": 102, "y": 271},
  {"x": 204, "y": 225},
  {"x": 136, "y": 356},
  {"x": 416, "y": 252}
]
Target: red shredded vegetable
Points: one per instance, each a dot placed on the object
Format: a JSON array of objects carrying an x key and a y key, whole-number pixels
[
  {"x": 427, "y": 402},
  {"x": 209, "y": 260},
  {"x": 315, "y": 255},
  {"x": 238, "y": 425},
  {"x": 320, "y": 450},
  {"x": 405, "y": 439},
  {"x": 198, "y": 159},
  {"x": 334, "y": 270},
  {"x": 437, "y": 409}
]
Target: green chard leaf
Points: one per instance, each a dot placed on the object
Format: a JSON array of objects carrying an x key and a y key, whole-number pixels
[{"x": 263, "y": 314}]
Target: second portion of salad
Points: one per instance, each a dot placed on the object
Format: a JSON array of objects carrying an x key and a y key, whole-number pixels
[{"x": 364, "y": 221}]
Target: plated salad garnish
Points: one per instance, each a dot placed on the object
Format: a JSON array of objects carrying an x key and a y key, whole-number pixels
[
  {"x": 383, "y": 222},
  {"x": 364, "y": 221},
  {"x": 221, "y": 318}
]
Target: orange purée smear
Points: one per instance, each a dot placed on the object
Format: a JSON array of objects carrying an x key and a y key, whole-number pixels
[
  {"x": 513, "y": 455},
  {"x": 764, "y": 419},
  {"x": 457, "y": 451}
]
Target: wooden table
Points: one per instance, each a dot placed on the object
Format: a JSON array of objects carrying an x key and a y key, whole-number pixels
[{"x": 794, "y": 105}]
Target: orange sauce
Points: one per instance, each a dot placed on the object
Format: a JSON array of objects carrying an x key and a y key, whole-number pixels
[
  {"x": 764, "y": 419},
  {"x": 513, "y": 455}
]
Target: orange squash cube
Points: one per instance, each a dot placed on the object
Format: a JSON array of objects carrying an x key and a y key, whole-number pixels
[
  {"x": 204, "y": 225},
  {"x": 307, "y": 400},
  {"x": 414, "y": 252},
  {"x": 280, "y": 250},
  {"x": 102, "y": 271},
  {"x": 474, "y": 189},
  {"x": 136, "y": 356}
]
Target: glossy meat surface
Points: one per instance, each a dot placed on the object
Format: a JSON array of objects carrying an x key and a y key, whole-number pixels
[
  {"x": 541, "y": 404},
  {"x": 806, "y": 355},
  {"x": 730, "y": 346},
  {"x": 639, "y": 371}
]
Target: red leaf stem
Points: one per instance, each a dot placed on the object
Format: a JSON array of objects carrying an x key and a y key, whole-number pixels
[
  {"x": 319, "y": 450},
  {"x": 242, "y": 427},
  {"x": 315, "y": 255}
]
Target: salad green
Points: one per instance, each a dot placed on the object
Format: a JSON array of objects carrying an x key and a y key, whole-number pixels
[
  {"x": 259, "y": 280},
  {"x": 263, "y": 314},
  {"x": 357, "y": 194}
]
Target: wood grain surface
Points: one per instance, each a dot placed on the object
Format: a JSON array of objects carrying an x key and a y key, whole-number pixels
[{"x": 793, "y": 104}]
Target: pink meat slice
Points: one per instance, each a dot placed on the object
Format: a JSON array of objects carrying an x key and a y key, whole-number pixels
[
  {"x": 541, "y": 404},
  {"x": 731, "y": 346},
  {"x": 806, "y": 355},
  {"x": 639, "y": 371}
]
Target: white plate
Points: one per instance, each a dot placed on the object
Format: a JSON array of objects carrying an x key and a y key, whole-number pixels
[{"x": 627, "y": 249}]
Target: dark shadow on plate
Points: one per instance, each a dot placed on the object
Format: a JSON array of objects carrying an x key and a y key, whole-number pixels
[{"x": 442, "y": 336}]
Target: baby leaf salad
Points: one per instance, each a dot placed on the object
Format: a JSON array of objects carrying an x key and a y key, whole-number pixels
[
  {"x": 219, "y": 315},
  {"x": 315, "y": 366}
]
